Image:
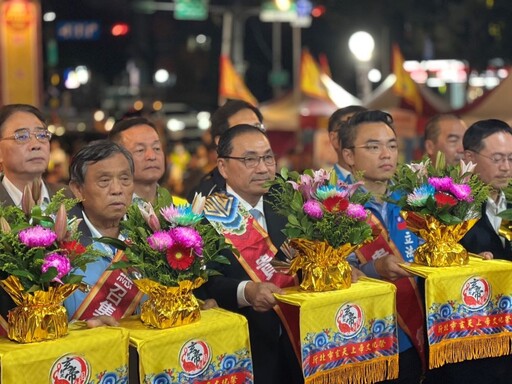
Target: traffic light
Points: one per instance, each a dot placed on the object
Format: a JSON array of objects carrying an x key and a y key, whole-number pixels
[{"x": 120, "y": 29}]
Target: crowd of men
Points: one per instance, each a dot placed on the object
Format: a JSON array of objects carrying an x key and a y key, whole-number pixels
[{"x": 109, "y": 175}]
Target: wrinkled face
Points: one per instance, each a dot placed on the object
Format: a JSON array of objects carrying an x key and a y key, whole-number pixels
[
  {"x": 243, "y": 116},
  {"x": 449, "y": 141},
  {"x": 375, "y": 152},
  {"x": 497, "y": 146},
  {"x": 143, "y": 143},
  {"x": 248, "y": 182},
  {"x": 107, "y": 190},
  {"x": 23, "y": 160}
]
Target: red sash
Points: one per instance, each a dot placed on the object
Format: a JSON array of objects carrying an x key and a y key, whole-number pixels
[
  {"x": 254, "y": 249},
  {"x": 114, "y": 294},
  {"x": 410, "y": 311}
]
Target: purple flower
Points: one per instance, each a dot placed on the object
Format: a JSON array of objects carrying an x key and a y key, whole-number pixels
[
  {"x": 37, "y": 237},
  {"x": 313, "y": 209},
  {"x": 356, "y": 211},
  {"x": 443, "y": 184},
  {"x": 160, "y": 241},
  {"x": 461, "y": 192},
  {"x": 59, "y": 262},
  {"x": 188, "y": 237}
]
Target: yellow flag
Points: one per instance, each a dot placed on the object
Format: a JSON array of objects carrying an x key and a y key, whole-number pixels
[
  {"x": 404, "y": 85},
  {"x": 310, "y": 77},
  {"x": 231, "y": 85}
]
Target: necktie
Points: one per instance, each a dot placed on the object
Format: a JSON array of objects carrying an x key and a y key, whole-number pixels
[{"x": 256, "y": 214}]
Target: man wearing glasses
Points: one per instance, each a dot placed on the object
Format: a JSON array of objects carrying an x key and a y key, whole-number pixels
[
  {"x": 24, "y": 152},
  {"x": 370, "y": 150},
  {"x": 488, "y": 143},
  {"x": 243, "y": 214}
]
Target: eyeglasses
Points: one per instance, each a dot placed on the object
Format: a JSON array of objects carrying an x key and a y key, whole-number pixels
[
  {"x": 22, "y": 136},
  {"x": 260, "y": 126},
  {"x": 253, "y": 161},
  {"x": 375, "y": 148},
  {"x": 497, "y": 158}
]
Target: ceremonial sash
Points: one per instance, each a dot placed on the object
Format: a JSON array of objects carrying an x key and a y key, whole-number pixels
[
  {"x": 253, "y": 247},
  {"x": 114, "y": 294},
  {"x": 469, "y": 310},
  {"x": 408, "y": 300}
]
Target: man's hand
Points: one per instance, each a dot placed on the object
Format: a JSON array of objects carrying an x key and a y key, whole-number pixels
[
  {"x": 356, "y": 274},
  {"x": 486, "y": 255},
  {"x": 208, "y": 304},
  {"x": 260, "y": 295},
  {"x": 99, "y": 321},
  {"x": 388, "y": 267}
]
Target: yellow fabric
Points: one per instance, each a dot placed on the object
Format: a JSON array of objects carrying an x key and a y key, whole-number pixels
[
  {"x": 405, "y": 85},
  {"x": 224, "y": 333},
  {"x": 469, "y": 310},
  {"x": 310, "y": 77},
  {"x": 176, "y": 200},
  {"x": 105, "y": 350},
  {"x": 333, "y": 354},
  {"x": 231, "y": 84}
]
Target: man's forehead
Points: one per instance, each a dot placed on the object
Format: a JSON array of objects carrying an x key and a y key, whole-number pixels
[
  {"x": 251, "y": 142},
  {"x": 370, "y": 129}
]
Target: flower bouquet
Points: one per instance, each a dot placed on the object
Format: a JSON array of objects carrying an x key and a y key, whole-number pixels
[
  {"x": 170, "y": 247},
  {"x": 326, "y": 222},
  {"x": 440, "y": 204},
  {"x": 40, "y": 254}
]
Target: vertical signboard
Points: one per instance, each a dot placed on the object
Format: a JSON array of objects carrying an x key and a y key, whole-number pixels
[{"x": 20, "y": 52}]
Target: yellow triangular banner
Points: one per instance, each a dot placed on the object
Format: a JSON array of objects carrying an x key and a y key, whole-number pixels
[
  {"x": 310, "y": 77},
  {"x": 231, "y": 85},
  {"x": 404, "y": 85}
]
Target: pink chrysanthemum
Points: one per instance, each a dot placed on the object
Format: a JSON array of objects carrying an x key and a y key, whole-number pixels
[
  {"x": 443, "y": 184},
  {"x": 356, "y": 211},
  {"x": 59, "y": 262},
  {"x": 37, "y": 236},
  {"x": 188, "y": 237},
  {"x": 462, "y": 192},
  {"x": 313, "y": 209},
  {"x": 160, "y": 241}
]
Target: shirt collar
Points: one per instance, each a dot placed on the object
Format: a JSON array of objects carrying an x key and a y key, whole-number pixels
[
  {"x": 16, "y": 194},
  {"x": 245, "y": 204}
]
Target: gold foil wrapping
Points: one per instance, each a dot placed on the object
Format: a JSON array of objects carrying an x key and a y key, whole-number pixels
[
  {"x": 441, "y": 247},
  {"x": 168, "y": 307},
  {"x": 324, "y": 268},
  {"x": 39, "y": 315},
  {"x": 505, "y": 229}
]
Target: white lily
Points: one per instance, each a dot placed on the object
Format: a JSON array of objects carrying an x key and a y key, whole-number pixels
[
  {"x": 466, "y": 169},
  {"x": 148, "y": 213},
  {"x": 198, "y": 203}
]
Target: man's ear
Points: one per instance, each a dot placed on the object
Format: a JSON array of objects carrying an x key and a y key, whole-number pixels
[
  {"x": 429, "y": 147},
  {"x": 469, "y": 156},
  {"x": 333, "y": 138},
  {"x": 76, "y": 189},
  {"x": 221, "y": 164},
  {"x": 348, "y": 156}
]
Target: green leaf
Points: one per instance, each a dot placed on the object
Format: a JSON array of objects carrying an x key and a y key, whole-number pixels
[{"x": 117, "y": 243}]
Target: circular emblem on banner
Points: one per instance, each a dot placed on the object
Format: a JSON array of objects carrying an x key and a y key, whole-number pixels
[
  {"x": 70, "y": 369},
  {"x": 350, "y": 319},
  {"x": 476, "y": 292},
  {"x": 18, "y": 16},
  {"x": 195, "y": 356}
]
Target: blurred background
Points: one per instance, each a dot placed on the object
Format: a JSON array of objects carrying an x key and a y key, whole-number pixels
[{"x": 87, "y": 63}]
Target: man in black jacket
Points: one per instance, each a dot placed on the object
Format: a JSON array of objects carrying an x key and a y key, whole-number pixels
[{"x": 247, "y": 285}]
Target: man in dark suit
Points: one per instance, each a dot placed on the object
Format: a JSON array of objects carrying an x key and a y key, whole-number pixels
[
  {"x": 24, "y": 157},
  {"x": 246, "y": 161},
  {"x": 232, "y": 113},
  {"x": 488, "y": 143}
]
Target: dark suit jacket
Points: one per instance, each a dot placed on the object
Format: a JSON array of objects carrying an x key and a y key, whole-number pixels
[
  {"x": 6, "y": 302},
  {"x": 210, "y": 183},
  {"x": 482, "y": 237},
  {"x": 273, "y": 358}
]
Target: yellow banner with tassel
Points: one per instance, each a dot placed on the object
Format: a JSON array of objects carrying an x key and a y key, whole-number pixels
[
  {"x": 468, "y": 309},
  {"x": 346, "y": 336},
  {"x": 85, "y": 356},
  {"x": 215, "y": 349}
]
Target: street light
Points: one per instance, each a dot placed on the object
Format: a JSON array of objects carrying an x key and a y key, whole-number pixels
[{"x": 361, "y": 45}]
